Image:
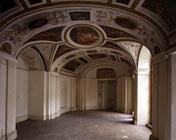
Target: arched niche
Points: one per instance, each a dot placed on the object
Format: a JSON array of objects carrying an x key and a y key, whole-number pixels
[
  {"x": 6, "y": 47},
  {"x": 29, "y": 85},
  {"x": 95, "y": 82}
]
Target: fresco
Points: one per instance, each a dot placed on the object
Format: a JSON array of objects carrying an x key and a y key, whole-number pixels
[
  {"x": 166, "y": 9},
  {"x": 126, "y": 61},
  {"x": 112, "y": 45},
  {"x": 106, "y": 73},
  {"x": 98, "y": 56},
  {"x": 49, "y": 35},
  {"x": 84, "y": 35},
  {"x": 114, "y": 33},
  {"x": 92, "y": 51},
  {"x": 6, "y": 5},
  {"x": 37, "y": 23},
  {"x": 6, "y": 47},
  {"x": 83, "y": 60},
  {"x": 72, "y": 65},
  {"x": 79, "y": 15},
  {"x": 70, "y": 56},
  {"x": 113, "y": 57},
  {"x": 62, "y": 50},
  {"x": 123, "y": 1},
  {"x": 125, "y": 22},
  {"x": 35, "y": 1}
]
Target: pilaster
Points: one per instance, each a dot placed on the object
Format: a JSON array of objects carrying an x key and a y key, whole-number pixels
[{"x": 8, "y": 96}]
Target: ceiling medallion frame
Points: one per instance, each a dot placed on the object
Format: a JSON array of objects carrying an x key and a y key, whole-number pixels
[{"x": 84, "y": 36}]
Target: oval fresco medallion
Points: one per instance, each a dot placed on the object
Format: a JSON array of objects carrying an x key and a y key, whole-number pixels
[{"x": 84, "y": 36}]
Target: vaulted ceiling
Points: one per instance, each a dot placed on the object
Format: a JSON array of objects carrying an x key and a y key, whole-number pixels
[{"x": 77, "y": 32}]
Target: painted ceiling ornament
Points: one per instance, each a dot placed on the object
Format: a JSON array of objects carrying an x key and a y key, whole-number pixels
[
  {"x": 58, "y": 17},
  {"x": 165, "y": 9},
  {"x": 6, "y": 47},
  {"x": 84, "y": 36},
  {"x": 18, "y": 33},
  {"x": 125, "y": 22},
  {"x": 14, "y": 34},
  {"x": 37, "y": 23},
  {"x": 33, "y": 59},
  {"x": 132, "y": 47},
  {"x": 149, "y": 37},
  {"x": 102, "y": 15}
]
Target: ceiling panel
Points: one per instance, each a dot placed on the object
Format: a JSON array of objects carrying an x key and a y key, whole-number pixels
[
  {"x": 166, "y": 9},
  {"x": 7, "y": 5},
  {"x": 72, "y": 65},
  {"x": 80, "y": 0}
]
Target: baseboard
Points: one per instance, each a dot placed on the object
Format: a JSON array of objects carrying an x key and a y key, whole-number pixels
[
  {"x": 10, "y": 136},
  {"x": 33, "y": 117},
  {"x": 54, "y": 115},
  {"x": 21, "y": 118}
]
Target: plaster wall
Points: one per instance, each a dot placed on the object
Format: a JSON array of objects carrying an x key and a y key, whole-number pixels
[
  {"x": 161, "y": 110},
  {"x": 3, "y": 69},
  {"x": 37, "y": 93},
  {"x": 62, "y": 94},
  {"x": 22, "y": 92},
  {"x": 124, "y": 95},
  {"x": 88, "y": 91},
  {"x": 7, "y": 97},
  {"x": 91, "y": 93},
  {"x": 173, "y": 97},
  {"x": 143, "y": 113}
]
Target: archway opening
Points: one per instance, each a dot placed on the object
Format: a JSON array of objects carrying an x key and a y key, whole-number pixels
[
  {"x": 107, "y": 89},
  {"x": 29, "y": 84},
  {"x": 143, "y": 88}
]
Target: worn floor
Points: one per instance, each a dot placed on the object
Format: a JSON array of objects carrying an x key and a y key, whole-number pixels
[{"x": 83, "y": 125}]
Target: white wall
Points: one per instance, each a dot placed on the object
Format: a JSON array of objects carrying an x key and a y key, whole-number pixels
[
  {"x": 91, "y": 94},
  {"x": 37, "y": 95},
  {"x": 87, "y": 89},
  {"x": 7, "y": 96},
  {"x": 62, "y": 95},
  {"x": 3, "y": 69},
  {"x": 124, "y": 95},
  {"x": 22, "y": 92}
]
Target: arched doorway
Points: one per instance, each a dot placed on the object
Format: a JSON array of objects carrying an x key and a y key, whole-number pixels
[
  {"x": 107, "y": 89},
  {"x": 144, "y": 87}
]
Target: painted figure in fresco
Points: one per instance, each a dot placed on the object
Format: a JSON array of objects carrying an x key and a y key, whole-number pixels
[{"x": 84, "y": 35}]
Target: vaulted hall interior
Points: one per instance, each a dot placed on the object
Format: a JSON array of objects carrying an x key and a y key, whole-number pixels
[{"x": 71, "y": 60}]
